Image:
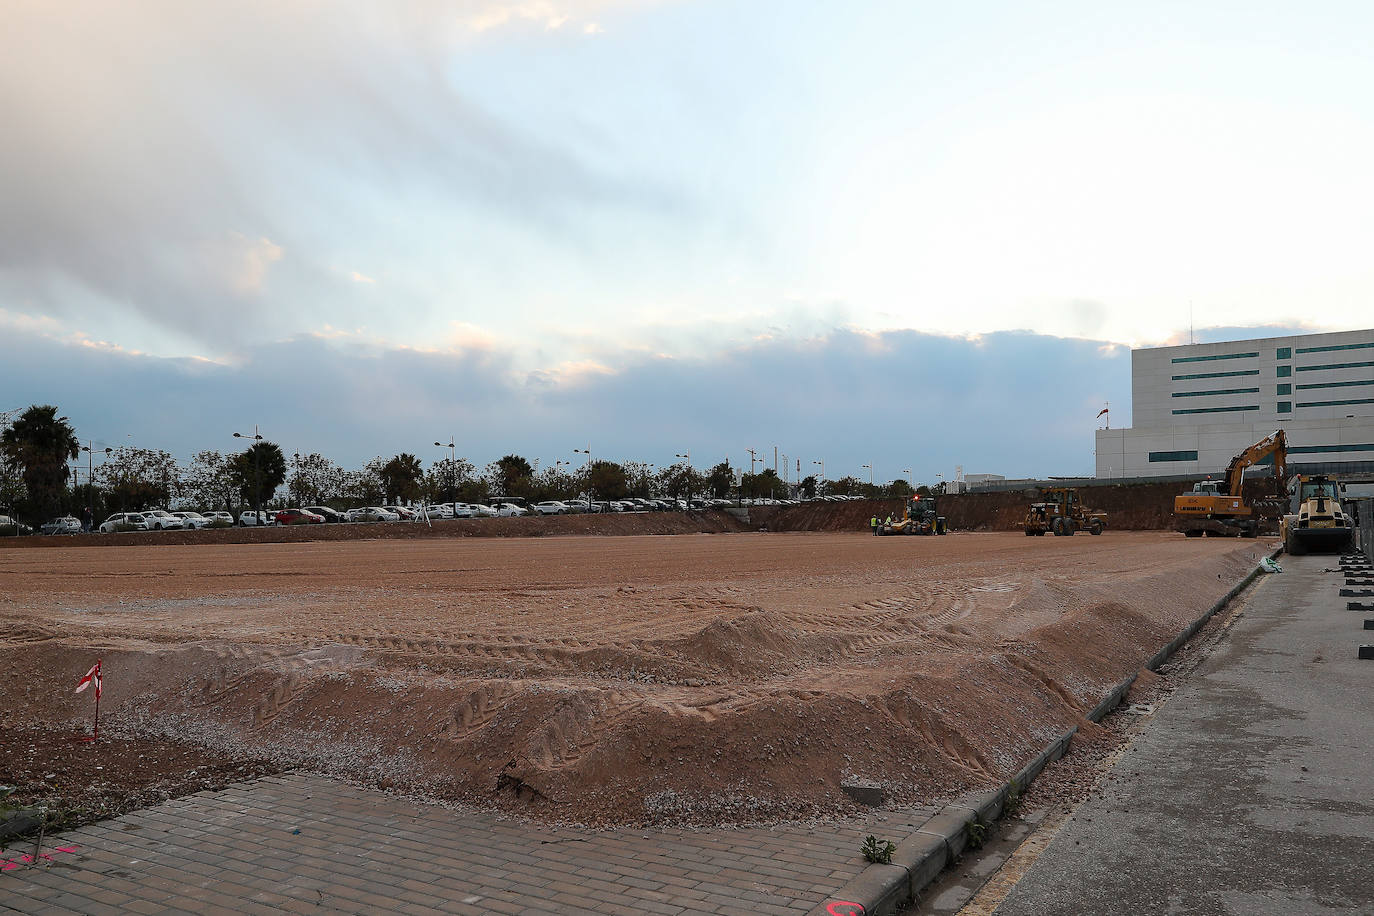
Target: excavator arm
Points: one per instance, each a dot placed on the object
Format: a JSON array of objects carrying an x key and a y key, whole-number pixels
[{"x": 1275, "y": 444}]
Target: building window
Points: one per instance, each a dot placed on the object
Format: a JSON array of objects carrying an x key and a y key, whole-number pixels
[
  {"x": 1283, "y": 371},
  {"x": 1205, "y": 359},
  {"x": 1198, "y": 394},
  {"x": 1332, "y": 366},
  {"x": 1337, "y": 384},
  {"x": 1286, "y": 406},
  {"x": 1214, "y": 409},
  {"x": 1364, "y": 346},
  {"x": 1173, "y": 456},
  {"x": 1319, "y": 449},
  {"x": 1285, "y": 353},
  {"x": 1286, "y": 388},
  {"x": 1332, "y": 403},
  {"x": 1182, "y": 378}
]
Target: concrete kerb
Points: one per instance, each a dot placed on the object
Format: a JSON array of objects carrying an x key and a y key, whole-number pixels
[{"x": 881, "y": 889}]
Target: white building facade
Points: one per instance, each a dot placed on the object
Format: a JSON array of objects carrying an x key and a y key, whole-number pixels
[{"x": 1196, "y": 407}]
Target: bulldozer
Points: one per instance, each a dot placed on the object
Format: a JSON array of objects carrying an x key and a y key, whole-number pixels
[
  {"x": 918, "y": 517},
  {"x": 1317, "y": 521},
  {"x": 1062, "y": 514},
  {"x": 1216, "y": 508}
]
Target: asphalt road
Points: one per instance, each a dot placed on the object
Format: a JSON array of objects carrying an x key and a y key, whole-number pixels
[{"x": 1250, "y": 792}]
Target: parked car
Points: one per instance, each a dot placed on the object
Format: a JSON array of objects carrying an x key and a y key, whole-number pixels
[
  {"x": 10, "y": 527},
  {"x": 192, "y": 520},
  {"x": 481, "y": 511},
  {"x": 401, "y": 512},
  {"x": 550, "y": 507},
  {"x": 510, "y": 510},
  {"x": 372, "y": 514},
  {"x": 161, "y": 519},
  {"x": 218, "y": 517},
  {"x": 249, "y": 519},
  {"x": 326, "y": 513},
  {"x": 63, "y": 524},
  {"x": 435, "y": 511},
  {"x": 298, "y": 517},
  {"x": 123, "y": 519}
]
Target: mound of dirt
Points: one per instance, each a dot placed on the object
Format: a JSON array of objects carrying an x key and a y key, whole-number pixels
[{"x": 609, "y": 680}]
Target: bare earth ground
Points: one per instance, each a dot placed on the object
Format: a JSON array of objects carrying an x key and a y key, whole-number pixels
[{"x": 694, "y": 678}]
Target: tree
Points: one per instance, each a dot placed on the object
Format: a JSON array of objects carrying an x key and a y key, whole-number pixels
[
  {"x": 257, "y": 472},
  {"x": 12, "y": 490},
  {"x": 41, "y": 443},
  {"x": 511, "y": 476},
  {"x": 639, "y": 481},
  {"x": 843, "y": 487},
  {"x": 315, "y": 479},
  {"x": 900, "y": 489},
  {"x": 765, "y": 483},
  {"x": 446, "y": 477},
  {"x": 720, "y": 479},
  {"x": 402, "y": 477},
  {"x": 553, "y": 483},
  {"x": 808, "y": 487},
  {"x": 207, "y": 483},
  {"x": 680, "y": 481},
  {"x": 607, "y": 480},
  {"x": 139, "y": 478}
]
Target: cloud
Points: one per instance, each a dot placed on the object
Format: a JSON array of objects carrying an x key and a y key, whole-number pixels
[
  {"x": 178, "y": 167},
  {"x": 361, "y": 277},
  {"x": 1010, "y": 403}
]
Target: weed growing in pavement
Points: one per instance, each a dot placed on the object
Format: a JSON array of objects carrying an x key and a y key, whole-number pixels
[
  {"x": 1013, "y": 804},
  {"x": 977, "y": 835},
  {"x": 878, "y": 851}
]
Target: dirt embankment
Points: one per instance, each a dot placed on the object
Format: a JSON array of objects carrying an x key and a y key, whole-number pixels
[
  {"x": 820, "y": 516},
  {"x": 1129, "y": 507},
  {"x": 609, "y": 680},
  {"x": 530, "y": 527}
]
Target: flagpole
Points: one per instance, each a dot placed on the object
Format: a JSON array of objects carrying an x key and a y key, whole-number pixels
[{"x": 96, "y": 737}]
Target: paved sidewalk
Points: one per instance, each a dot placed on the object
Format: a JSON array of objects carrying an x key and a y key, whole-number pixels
[
  {"x": 1249, "y": 793},
  {"x": 300, "y": 843}
]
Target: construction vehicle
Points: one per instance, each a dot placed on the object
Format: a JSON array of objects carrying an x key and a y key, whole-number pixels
[
  {"x": 1061, "y": 514},
  {"x": 918, "y": 517},
  {"x": 1317, "y": 521},
  {"x": 1216, "y": 508}
]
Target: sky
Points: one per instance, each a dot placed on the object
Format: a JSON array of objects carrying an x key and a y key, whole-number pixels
[{"x": 896, "y": 234}]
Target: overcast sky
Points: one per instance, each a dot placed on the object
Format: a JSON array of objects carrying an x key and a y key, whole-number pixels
[{"x": 653, "y": 226}]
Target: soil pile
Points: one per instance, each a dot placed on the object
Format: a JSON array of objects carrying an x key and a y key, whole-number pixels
[{"x": 610, "y": 680}]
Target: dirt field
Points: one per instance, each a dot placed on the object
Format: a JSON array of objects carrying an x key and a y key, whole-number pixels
[{"x": 732, "y": 677}]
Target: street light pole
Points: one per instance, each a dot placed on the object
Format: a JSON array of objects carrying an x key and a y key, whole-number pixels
[
  {"x": 257, "y": 476},
  {"x": 688, "y": 456},
  {"x": 870, "y": 472},
  {"x": 588, "y": 452},
  {"x": 452, "y": 467}
]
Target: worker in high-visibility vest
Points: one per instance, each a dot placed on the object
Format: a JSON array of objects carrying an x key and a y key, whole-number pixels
[{"x": 873, "y": 523}]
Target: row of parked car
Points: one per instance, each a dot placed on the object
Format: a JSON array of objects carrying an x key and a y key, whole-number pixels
[{"x": 501, "y": 507}]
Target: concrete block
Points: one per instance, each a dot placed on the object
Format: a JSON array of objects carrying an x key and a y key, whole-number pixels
[
  {"x": 952, "y": 824},
  {"x": 865, "y": 793},
  {"x": 923, "y": 856},
  {"x": 877, "y": 891}
]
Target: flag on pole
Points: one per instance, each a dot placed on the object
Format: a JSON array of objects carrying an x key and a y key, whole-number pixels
[
  {"x": 92, "y": 677},
  {"x": 1102, "y": 411}
]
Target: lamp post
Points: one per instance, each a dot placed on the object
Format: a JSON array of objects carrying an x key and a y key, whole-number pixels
[
  {"x": 257, "y": 476},
  {"x": 588, "y": 452},
  {"x": 910, "y": 481},
  {"x": 89, "y": 449},
  {"x": 452, "y": 466},
  {"x": 870, "y": 472},
  {"x": 821, "y": 462},
  {"x": 688, "y": 456}
]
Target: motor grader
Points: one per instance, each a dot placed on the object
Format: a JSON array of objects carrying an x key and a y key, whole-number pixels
[
  {"x": 1062, "y": 513},
  {"x": 1317, "y": 521},
  {"x": 918, "y": 517}
]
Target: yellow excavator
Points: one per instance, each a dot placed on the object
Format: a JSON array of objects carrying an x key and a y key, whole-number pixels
[
  {"x": 1216, "y": 507},
  {"x": 1317, "y": 522}
]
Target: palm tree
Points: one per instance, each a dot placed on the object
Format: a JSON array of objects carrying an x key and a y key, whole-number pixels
[
  {"x": 41, "y": 443},
  {"x": 402, "y": 477}
]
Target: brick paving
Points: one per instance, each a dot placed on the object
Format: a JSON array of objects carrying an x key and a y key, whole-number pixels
[{"x": 299, "y": 843}]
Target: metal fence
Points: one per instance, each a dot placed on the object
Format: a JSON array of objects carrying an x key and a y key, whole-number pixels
[{"x": 1364, "y": 513}]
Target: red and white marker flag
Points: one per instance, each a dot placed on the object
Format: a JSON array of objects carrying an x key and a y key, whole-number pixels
[
  {"x": 92, "y": 676},
  {"x": 1102, "y": 411}
]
